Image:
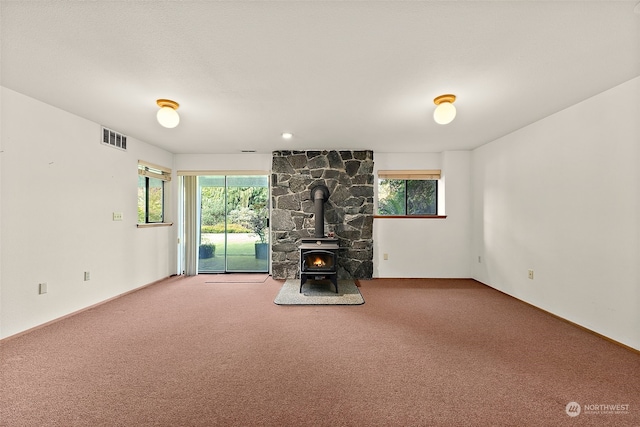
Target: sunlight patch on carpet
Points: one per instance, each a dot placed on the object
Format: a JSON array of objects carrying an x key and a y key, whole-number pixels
[{"x": 319, "y": 293}]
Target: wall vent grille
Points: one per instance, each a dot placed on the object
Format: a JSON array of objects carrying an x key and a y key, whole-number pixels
[{"x": 113, "y": 139}]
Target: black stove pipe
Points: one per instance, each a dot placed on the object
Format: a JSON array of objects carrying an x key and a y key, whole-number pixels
[{"x": 319, "y": 195}]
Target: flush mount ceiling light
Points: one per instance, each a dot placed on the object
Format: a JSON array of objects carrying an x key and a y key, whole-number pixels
[
  {"x": 287, "y": 135},
  {"x": 445, "y": 112},
  {"x": 167, "y": 115}
]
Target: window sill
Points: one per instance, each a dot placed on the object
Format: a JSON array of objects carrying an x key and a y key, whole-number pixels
[
  {"x": 155, "y": 224},
  {"x": 410, "y": 216}
]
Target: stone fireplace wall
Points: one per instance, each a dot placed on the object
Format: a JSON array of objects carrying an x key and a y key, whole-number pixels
[{"x": 348, "y": 213}]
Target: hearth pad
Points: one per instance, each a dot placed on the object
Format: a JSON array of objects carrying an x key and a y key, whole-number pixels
[{"x": 319, "y": 293}]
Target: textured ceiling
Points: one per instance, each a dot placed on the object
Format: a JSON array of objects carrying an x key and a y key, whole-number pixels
[{"x": 337, "y": 74}]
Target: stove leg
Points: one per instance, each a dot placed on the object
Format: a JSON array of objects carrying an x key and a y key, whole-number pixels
[{"x": 334, "y": 279}]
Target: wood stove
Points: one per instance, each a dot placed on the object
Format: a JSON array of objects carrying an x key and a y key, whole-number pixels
[
  {"x": 319, "y": 254},
  {"x": 318, "y": 260}
]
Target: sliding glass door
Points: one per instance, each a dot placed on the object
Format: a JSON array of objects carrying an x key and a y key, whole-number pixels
[{"x": 234, "y": 234}]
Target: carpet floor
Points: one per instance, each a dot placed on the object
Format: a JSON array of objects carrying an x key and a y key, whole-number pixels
[
  {"x": 236, "y": 277},
  {"x": 420, "y": 352}
]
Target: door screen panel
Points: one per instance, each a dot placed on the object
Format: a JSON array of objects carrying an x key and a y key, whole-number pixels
[{"x": 234, "y": 233}]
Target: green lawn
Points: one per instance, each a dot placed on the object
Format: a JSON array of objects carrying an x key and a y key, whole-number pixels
[{"x": 241, "y": 255}]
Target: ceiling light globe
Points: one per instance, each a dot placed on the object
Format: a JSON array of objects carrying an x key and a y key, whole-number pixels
[
  {"x": 444, "y": 113},
  {"x": 168, "y": 117}
]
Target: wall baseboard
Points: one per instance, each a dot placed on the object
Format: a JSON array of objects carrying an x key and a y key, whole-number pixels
[
  {"x": 58, "y": 319},
  {"x": 584, "y": 328}
]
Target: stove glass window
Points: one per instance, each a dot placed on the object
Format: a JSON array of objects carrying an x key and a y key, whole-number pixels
[{"x": 318, "y": 261}]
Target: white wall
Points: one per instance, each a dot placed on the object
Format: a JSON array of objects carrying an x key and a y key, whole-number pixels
[
  {"x": 60, "y": 187},
  {"x": 223, "y": 162},
  {"x": 562, "y": 197},
  {"x": 420, "y": 247}
]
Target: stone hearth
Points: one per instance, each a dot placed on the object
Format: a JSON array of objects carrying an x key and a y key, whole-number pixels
[{"x": 348, "y": 213}]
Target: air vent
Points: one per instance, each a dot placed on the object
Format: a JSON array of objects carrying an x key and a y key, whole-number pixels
[{"x": 114, "y": 139}]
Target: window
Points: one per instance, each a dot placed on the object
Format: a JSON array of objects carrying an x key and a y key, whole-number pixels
[
  {"x": 151, "y": 192},
  {"x": 408, "y": 193}
]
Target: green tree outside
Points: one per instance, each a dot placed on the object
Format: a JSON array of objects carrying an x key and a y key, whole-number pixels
[{"x": 407, "y": 197}]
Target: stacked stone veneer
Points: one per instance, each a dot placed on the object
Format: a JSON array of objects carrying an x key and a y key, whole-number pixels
[{"x": 348, "y": 213}]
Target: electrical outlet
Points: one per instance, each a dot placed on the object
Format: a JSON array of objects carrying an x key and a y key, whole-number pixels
[
  {"x": 42, "y": 288},
  {"x": 87, "y": 276},
  {"x": 531, "y": 274},
  {"x": 385, "y": 256},
  {"x": 479, "y": 258}
]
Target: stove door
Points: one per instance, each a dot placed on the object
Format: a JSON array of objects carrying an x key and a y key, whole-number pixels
[{"x": 318, "y": 260}]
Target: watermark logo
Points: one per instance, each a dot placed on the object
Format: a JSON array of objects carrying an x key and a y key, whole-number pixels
[{"x": 573, "y": 409}]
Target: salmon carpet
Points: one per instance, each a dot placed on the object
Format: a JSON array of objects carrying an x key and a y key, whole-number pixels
[{"x": 420, "y": 352}]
